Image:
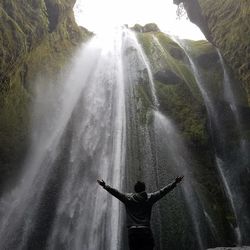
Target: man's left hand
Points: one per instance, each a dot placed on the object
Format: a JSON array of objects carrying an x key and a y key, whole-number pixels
[{"x": 101, "y": 183}]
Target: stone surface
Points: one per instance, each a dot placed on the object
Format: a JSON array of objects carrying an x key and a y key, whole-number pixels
[
  {"x": 35, "y": 36},
  {"x": 180, "y": 100},
  {"x": 226, "y": 25},
  {"x": 150, "y": 27}
]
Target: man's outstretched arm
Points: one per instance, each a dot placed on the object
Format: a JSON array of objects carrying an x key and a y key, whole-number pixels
[
  {"x": 162, "y": 192},
  {"x": 120, "y": 196}
]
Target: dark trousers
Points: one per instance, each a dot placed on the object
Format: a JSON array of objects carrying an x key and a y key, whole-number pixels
[{"x": 140, "y": 239}]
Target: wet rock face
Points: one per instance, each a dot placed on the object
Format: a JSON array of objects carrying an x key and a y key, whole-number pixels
[
  {"x": 206, "y": 60},
  {"x": 150, "y": 27},
  {"x": 167, "y": 77},
  {"x": 188, "y": 88},
  {"x": 53, "y": 14},
  {"x": 35, "y": 36},
  {"x": 226, "y": 25},
  {"x": 26, "y": 24},
  {"x": 57, "y": 10}
]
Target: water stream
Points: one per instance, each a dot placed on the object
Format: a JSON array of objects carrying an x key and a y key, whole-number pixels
[
  {"x": 78, "y": 137},
  {"x": 180, "y": 163},
  {"x": 230, "y": 98},
  {"x": 101, "y": 119},
  {"x": 229, "y": 172}
]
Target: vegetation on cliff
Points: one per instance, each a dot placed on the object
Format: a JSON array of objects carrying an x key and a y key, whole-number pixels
[
  {"x": 181, "y": 100},
  {"x": 226, "y": 24},
  {"x": 35, "y": 36},
  {"x": 176, "y": 88}
]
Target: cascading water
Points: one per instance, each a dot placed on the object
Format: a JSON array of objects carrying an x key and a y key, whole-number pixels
[
  {"x": 228, "y": 172},
  {"x": 240, "y": 167},
  {"x": 140, "y": 159},
  {"x": 102, "y": 119},
  {"x": 145, "y": 62},
  {"x": 79, "y": 138},
  {"x": 213, "y": 118},
  {"x": 198, "y": 78},
  {"x": 177, "y": 161},
  {"x": 230, "y": 98}
]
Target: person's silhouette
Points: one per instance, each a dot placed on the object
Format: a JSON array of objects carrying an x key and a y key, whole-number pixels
[{"x": 138, "y": 207}]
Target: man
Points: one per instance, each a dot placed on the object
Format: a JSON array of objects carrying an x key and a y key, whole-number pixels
[{"x": 138, "y": 207}]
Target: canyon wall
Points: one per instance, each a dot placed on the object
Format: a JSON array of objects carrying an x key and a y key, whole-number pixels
[{"x": 35, "y": 37}]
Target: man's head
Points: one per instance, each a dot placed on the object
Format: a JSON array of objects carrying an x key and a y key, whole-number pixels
[{"x": 139, "y": 187}]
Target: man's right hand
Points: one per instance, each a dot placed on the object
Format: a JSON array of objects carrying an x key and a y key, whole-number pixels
[
  {"x": 101, "y": 183},
  {"x": 178, "y": 179}
]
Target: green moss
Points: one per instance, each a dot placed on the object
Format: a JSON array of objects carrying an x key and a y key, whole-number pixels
[
  {"x": 187, "y": 113},
  {"x": 29, "y": 47},
  {"x": 24, "y": 26},
  {"x": 159, "y": 55},
  {"x": 198, "y": 48},
  {"x": 228, "y": 24},
  {"x": 171, "y": 46},
  {"x": 211, "y": 71},
  {"x": 149, "y": 27},
  {"x": 14, "y": 126},
  {"x": 181, "y": 100},
  {"x": 211, "y": 192},
  {"x": 145, "y": 104}
]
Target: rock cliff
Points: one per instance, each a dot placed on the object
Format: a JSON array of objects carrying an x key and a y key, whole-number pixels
[
  {"x": 35, "y": 36},
  {"x": 225, "y": 24}
]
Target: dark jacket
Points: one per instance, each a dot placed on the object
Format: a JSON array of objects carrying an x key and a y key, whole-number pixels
[{"x": 139, "y": 205}]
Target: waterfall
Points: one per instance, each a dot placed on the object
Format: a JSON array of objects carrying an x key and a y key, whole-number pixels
[
  {"x": 198, "y": 78},
  {"x": 219, "y": 164},
  {"x": 178, "y": 159},
  {"x": 178, "y": 156},
  {"x": 213, "y": 118},
  {"x": 229, "y": 172},
  {"x": 88, "y": 124},
  {"x": 78, "y": 137},
  {"x": 101, "y": 119},
  {"x": 242, "y": 159},
  {"x": 149, "y": 72},
  {"x": 230, "y": 98}
]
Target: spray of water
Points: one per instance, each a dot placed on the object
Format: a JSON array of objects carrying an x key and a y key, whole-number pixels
[
  {"x": 177, "y": 152},
  {"x": 81, "y": 138},
  {"x": 230, "y": 98},
  {"x": 214, "y": 117},
  {"x": 86, "y": 126}
]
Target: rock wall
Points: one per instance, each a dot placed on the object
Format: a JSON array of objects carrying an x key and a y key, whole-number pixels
[
  {"x": 225, "y": 23},
  {"x": 35, "y": 36},
  {"x": 180, "y": 100}
]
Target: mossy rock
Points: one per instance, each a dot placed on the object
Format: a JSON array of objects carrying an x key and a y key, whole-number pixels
[
  {"x": 171, "y": 46},
  {"x": 226, "y": 24},
  {"x": 149, "y": 27},
  {"x": 14, "y": 127},
  {"x": 206, "y": 57},
  {"x": 168, "y": 77},
  {"x": 31, "y": 43},
  {"x": 188, "y": 114},
  {"x": 158, "y": 47},
  {"x": 176, "y": 88}
]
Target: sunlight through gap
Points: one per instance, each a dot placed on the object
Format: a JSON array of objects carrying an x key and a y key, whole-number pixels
[{"x": 100, "y": 16}]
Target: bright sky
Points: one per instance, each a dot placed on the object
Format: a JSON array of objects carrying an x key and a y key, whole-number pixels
[{"x": 99, "y": 15}]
